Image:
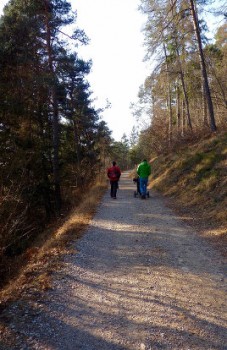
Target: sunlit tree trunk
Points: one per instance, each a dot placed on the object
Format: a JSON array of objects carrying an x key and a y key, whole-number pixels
[
  {"x": 204, "y": 100},
  {"x": 178, "y": 114},
  {"x": 184, "y": 90},
  {"x": 181, "y": 72},
  {"x": 169, "y": 99},
  {"x": 203, "y": 68},
  {"x": 182, "y": 119}
]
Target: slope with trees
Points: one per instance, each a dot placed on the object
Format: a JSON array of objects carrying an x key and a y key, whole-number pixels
[
  {"x": 186, "y": 90},
  {"x": 185, "y": 100},
  {"x": 51, "y": 134}
]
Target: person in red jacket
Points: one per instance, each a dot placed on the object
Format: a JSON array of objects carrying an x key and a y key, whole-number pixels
[{"x": 114, "y": 174}]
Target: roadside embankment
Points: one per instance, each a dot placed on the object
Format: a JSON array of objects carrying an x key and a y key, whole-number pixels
[{"x": 195, "y": 178}]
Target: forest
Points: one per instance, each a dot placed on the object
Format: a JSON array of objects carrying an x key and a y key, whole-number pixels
[
  {"x": 186, "y": 93},
  {"x": 54, "y": 143}
]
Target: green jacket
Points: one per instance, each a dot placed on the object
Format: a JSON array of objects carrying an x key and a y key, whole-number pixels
[{"x": 144, "y": 169}]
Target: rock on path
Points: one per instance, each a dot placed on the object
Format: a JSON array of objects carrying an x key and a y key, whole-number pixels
[{"x": 141, "y": 280}]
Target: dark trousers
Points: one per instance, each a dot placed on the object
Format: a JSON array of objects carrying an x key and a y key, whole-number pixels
[{"x": 113, "y": 188}]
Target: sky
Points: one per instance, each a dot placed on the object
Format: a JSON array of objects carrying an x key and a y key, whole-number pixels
[
  {"x": 116, "y": 49},
  {"x": 117, "y": 52},
  {"x": 114, "y": 28}
]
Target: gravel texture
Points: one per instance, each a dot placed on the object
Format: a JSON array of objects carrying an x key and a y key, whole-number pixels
[{"x": 141, "y": 279}]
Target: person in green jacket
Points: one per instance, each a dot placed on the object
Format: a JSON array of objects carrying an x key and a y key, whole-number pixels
[{"x": 143, "y": 170}]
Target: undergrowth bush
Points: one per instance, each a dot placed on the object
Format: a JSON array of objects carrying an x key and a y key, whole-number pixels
[{"x": 24, "y": 220}]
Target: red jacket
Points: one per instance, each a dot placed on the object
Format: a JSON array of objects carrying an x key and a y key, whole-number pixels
[{"x": 114, "y": 173}]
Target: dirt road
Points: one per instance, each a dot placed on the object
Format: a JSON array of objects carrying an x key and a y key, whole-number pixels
[{"x": 141, "y": 280}]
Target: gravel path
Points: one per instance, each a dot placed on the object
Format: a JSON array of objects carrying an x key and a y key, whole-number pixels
[{"x": 141, "y": 280}]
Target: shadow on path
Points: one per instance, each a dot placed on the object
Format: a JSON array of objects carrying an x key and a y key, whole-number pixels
[{"x": 141, "y": 279}]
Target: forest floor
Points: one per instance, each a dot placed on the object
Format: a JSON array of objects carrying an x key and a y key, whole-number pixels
[{"x": 139, "y": 278}]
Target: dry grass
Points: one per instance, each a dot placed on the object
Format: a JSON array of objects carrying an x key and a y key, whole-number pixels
[
  {"x": 195, "y": 178},
  {"x": 41, "y": 260}
]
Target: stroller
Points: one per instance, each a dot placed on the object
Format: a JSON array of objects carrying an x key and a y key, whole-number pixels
[{"x": 137, "y": 192}]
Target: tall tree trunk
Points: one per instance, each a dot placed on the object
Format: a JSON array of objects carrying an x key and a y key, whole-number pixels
[
  {"x": 178, "y": 114},
  {"x": 183, "y": 119},
  {"x": 181, "y": 71},
  {"x": 73, "y": 116},
  {"x": 184, "y": 90},
  {"x": 55, "y": 121},
  {"x": 203, "y": 68},
  {"x": 45, "y": 180},
  {"x": 205, "y": 121},
  {"x": 169, "y": 100}
]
